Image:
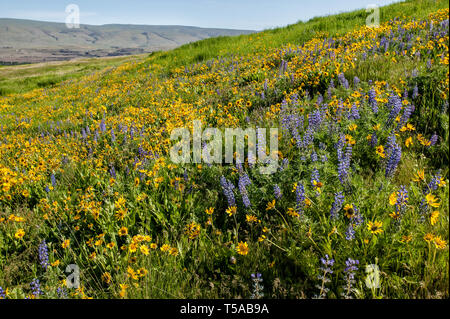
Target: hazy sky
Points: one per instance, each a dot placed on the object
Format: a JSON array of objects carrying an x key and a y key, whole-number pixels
[{"x": 234, "y": 14}]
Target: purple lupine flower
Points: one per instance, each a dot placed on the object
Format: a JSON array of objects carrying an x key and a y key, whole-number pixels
[
  {"x": 434, "y": 183},
  {"x": 326, "y": 268},
  {"x": 350, "y": 233},
  {"x": 112, "y": 172},
  {"x": 343, "y": 81},
  {"x": 257, "y": 292},
  {"x": 102, "y": 126},
  {"x": 251, "y": 159},
  {"x": 405, "y": 116},
  {"x": 244, "y": 180},
  {"x": 53, "y": 180},
  {"x": 113, "y": 136},
  {"x": 308, "y": 138},
  {"x": 277, "y": 191},
  {"x": 393, "y": 160},
  {"x": 315, "y": 177},
  {"x": 344, "y": 163},
  {"x": 260, "y": 143},
  {"x": 402, "y": 200},
  {"x": 433, "y": 139},
  {"x": 330, "y": 87},
  {"x": 373, "y": 139},
  {"x": 43, "y": 255},
  {"x": 337, "y": 205},
  {"x": 395, "y": 105},
  {"x": 313, "y": 156},
  {"x": 319, "y": 99},
  {"x": 300, "y": 197},
  {"x": 358, "y": 219},
  {"x": 405, "y": 94},
  {"x": 415, "y": 93},
  {"x": 227, "y": 188},
  {"x": 372, "y": 101},
  {"x": 327, "y": 264},
  {"x": 354, "y": 113},
  {"x": 356, "y": 81},
  {"x": 315, "y": 119},
  {"x": 2, "y": 293},
  {"x": 391, "y": 141},
  {"x": 62, "y": 293},
  {"x": 349, "y": 273},
  {"x": 36, "y": 288}
]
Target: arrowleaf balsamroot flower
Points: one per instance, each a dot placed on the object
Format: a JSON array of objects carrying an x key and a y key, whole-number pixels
[
  {"x": 242, "y": 248},
  {"x": 375, "y": 227}
]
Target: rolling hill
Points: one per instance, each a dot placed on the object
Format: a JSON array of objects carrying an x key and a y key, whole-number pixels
[{"x": 25, "y": 41}]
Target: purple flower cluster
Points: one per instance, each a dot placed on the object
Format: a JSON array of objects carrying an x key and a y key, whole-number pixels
[
  {"x": 258, "y": 288},
  {"x": 395, "y": 106},
  {"x": 326, "y": 268},
  {"x": 337, "y": 204},
  {"x": 227, "y": 188},
  {"x": 43, "y": 255},
  {"x": 349, "y": 273},
  {"x": 350, "y": 233},
  {"x": 405, "y": 116},
  {"x": 315, "y": 119},
  {"x": 343, "y": 81},
  {"x": 277, "y": 191},
  {"x": 401, "y": 202},
  {"x": 395, "y": 154},
  {"x": 53, "y": 180},
  {"x": 315, "y": 177},
  {"x": 433, "y": 184},
  {"x": 244, "y": 181},
  {"x": 373, "y": 139},
  {"x": 36, "y": 288},
  {"x": 433, "y": 139},
  {"x": 372, "y": 101},
  {"x": 300, "y": 197},
  {"x": 343, "y": 160},
  {"x": 354, "y": 113}
]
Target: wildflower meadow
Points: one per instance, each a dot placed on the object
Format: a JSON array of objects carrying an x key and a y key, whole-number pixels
[{"x": 93, "y": 206}]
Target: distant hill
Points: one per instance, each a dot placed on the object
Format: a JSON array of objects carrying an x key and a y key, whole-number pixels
[{"x": 25, "y": 41}]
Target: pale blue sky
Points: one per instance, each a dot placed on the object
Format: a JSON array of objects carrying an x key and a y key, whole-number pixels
[{"x": 233, "y": 14}]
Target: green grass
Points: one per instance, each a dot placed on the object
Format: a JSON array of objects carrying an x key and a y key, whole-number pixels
[{"x": 26, "y": 77}]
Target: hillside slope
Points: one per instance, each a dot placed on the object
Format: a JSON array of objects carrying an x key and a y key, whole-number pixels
[
  {"x": 87, "y": 178},
  {"x": 37, "y": 41}
]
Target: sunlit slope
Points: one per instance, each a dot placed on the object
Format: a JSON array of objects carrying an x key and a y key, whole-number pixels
[{"x": 363, "y": 155}]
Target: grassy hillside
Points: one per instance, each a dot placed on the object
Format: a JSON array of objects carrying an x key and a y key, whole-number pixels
[
  {"x": 86, "y": 177},
  {"x": 23, "y": 78}
]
